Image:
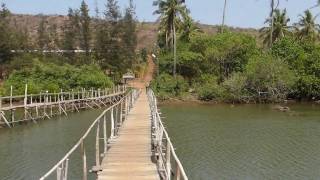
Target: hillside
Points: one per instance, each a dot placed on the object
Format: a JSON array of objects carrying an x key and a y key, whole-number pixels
[{"x": 147, "y": 31}]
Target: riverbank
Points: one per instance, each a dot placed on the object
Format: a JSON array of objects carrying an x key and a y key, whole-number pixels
[{"x": 194, "y": 99}]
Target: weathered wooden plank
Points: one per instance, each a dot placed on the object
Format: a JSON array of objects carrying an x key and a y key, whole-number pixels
[{"x": 130, "y": 154}]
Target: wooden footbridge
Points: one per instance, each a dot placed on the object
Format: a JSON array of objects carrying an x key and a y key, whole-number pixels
[
  {"x": 130, "y": 143},
  {"x": 32, "y": 107}
]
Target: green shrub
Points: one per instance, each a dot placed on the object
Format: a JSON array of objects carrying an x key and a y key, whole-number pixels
[
  {"x": 52, "y": 78},
  {"x": 207, "y": 88},
  {"x": 266, "y": 74},
  {"x": 235, "y": 87},
  {"x": 167, "y": 86}
]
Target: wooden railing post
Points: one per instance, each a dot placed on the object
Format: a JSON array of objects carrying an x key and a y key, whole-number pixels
[
  {"x": 59, "y": 169},
  {"x": 168, "y": 160},
  {"x": 0, "y": 109},
  {"x": 65, "y": 173},
  {"x": 98, "y": 146},
  {"x": 112, "y": 123},
  {"x": 84, "y": 162},
  {"x": 121, "y": 112},
  {"x": 105, "y": 140},
  {"x": 178, "y": 173},
  {"x": 11, "y": 96},
  {"x": 25, "y": 101}
]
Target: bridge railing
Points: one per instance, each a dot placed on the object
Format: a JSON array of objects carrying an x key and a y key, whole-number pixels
[
  {"x": 168, "y": 163},
  {"x": 116, "y": 119},
  {"x": 33, "y": 102}
]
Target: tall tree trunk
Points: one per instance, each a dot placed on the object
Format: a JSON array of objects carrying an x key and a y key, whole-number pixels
[
  {"x": 224, "y": 16},
  {"x": 272, "y": 20},
  {"x": 174, "y": 51}
]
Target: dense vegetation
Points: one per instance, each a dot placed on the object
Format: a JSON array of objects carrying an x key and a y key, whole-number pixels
[
  {"x": 107, "y": 47},
  {"x": 235, "y": 67}
]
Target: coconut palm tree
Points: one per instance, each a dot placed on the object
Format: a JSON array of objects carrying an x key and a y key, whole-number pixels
[
  {"x": 277, "y": 29},
  {"x": 188, "y": 29},
  {"x": 224, "y": 15},
  {"x": 274, "y": 4},
  {"x": 172, "y": 13},
  {"x": 307, "y": 28}
]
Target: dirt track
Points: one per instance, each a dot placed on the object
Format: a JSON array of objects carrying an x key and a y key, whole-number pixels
[{"x": 141, "y": 83}]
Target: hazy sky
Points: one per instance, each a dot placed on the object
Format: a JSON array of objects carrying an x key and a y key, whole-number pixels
[{"x": 241, "y": 13}]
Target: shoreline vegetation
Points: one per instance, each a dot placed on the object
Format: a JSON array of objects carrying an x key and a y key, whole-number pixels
[
  {"x": 77, "y": 52},
  {"x": 281, "y": 65}
]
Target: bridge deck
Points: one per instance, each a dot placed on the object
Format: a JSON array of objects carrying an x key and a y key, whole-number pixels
[{"x": 130, "y": 154}]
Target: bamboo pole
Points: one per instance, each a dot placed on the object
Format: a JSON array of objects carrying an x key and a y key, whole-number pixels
[
  {"x": 105, "y": 134},
  {"x": 84, "y": 162},
  {"x": 11, "y": 89},
  {"x": 112, "y": 124},
  {"x": 25, "y": 101},
  {"x": 0, "y": 109},
  {"x": 98, "y": 146},
  {"x": 168, "y": 159}
]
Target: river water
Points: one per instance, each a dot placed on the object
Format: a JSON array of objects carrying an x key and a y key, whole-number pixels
[
  {"x": 28, "y": 151},
  {"x": 246, "y": 142}
]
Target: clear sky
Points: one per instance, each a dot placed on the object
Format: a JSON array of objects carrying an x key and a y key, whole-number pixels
[{"x": 241, "y": 13}]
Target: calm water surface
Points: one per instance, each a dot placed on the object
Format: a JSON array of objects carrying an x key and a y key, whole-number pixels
[
  {"x": 246, "y": 142},
  {"x": 28, "y": 151}
]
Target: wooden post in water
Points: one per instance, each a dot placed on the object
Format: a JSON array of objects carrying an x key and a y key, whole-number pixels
[
  {"x": 178, "y": 173},
  {"x": 65, "y": 175},
  {"x": 84, "y": 162},
  {"x": 11, "y": 96},
  {"x": 168, "y": 159},
  {"x": 98, "y": 147},
  {"x": 0, "y": 109},
  {"x": 121, "y": 113},
  {"x": 25, "y": 101},
  {"x": 105, "y": 147},
  {"x": 59, "y": 172},
  {"x": 112, "y": 124}
]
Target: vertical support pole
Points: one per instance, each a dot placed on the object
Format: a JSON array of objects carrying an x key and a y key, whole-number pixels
[
  {"x": 105, "y": 147},
  {"x": 0, "y": 108},
  {"x": 121, "y": 104},
  {"x": 25, "y": 101},
  {"x": 65, "y": 173},
  {"x": 84, "y": 162},
  {"x": 51, "y": 111},
  {"x": 59, "y": 173},
  {"x": 116, "y": 120},
  {"x": 112, "y": 124},
  {"x": 178, "y": 174},
  {"x": 11, "y": 96},
  {"x": 12, "y": 116},
  {"x": 168, "y": 160},
  {"x": 98, "y": 145}
]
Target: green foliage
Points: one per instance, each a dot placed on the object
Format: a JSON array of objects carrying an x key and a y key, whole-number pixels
[
  {"x": 51, "y": 77},
  {"x": 303, "y": 58},
  {"x": 207, "y": 88},
  {"x": 266, "y": 74},
  {"x": 166, "y": 86},
  {"x": 144, "y": 55},
  {"x": 236, "y": 87}
]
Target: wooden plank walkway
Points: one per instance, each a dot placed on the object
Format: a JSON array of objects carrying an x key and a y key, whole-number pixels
[{"x": 130, "y": 154}]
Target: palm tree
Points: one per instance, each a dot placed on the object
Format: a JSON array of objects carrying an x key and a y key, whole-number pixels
[
  {"x": 277, "y": 29},
  {"x": 188, "y": 29},
  {"x": 171, "y": 14},
  {"x": 274, "y": 5},
  {"x": 307, "y": 27},
  {"x": 224, "y": 15}
]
